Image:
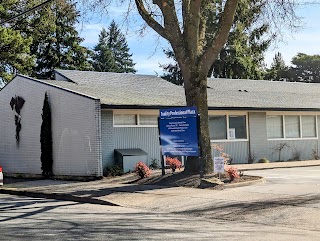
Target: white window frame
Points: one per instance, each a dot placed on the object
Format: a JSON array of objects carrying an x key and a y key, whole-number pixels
[
  {"x": 137, "y": 114},
  {"x": 228, "y": 137},
  {"x": 300, "y": 126}
]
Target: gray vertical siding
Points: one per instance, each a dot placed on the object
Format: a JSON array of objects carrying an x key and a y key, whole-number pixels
[
  {"x": 238, "y": 150},
  {"x": 145, "y": 138},
  {"x": 258, "y": 135},
  {"x": 303, "y": 147},
  {"x": 107, "y": 137}
]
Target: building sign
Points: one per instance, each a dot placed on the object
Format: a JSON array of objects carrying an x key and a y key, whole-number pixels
[
  {"x": 178, "y": 130},
  {"x": 218, "y": 164}
]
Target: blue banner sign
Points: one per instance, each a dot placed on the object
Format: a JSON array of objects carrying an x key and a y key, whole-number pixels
[{"x": 178, "y": 130}]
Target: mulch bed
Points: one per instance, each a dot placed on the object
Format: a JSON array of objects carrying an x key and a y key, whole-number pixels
[{"x": 181, "y": 179}]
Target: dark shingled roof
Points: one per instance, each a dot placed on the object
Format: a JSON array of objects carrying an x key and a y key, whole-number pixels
[
  {"x": 123, "y": 89},
  {"x": 146, "y": 90}
]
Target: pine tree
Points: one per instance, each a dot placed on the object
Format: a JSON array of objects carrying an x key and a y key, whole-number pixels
[
  {"x": 242, "y": 56},
  {"x": 278, "y": 70},
  {"x": 56, "y": 41},
  {"x": 14, "y": 47},
  {"x": 117, "y": 43},
  {"x": 102, "y": 57},
  {"x": 46, "y": 139}
]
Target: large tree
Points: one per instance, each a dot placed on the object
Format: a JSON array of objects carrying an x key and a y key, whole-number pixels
[
  {"x": 14, "y": 46},
  {"x": 278, "y": 69},
  {"x": 117, "y": 43},
  {"x": 102, "y": 57},
  {"x": 111, "y": 54},
  {"x": 60, "y": 46},
  {"x": 306, "y": 68},
  {"x": 243, "y": 54},
  {"x": 56, "y": 42}
]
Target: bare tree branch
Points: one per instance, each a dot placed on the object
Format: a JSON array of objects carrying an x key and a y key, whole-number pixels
[
  {"x": 171, "y": 21},
  {"x": 147, "y": 17}
]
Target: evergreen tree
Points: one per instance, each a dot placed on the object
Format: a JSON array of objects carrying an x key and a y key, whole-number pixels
[
  {"x": 56, "y": 43},
  {"x": 46, "y": 139},
  {"x": 172, "y": 71},
  {"x": 306, "y": 69},
  {"x": 243, "y": 54},
  {"x": 102, "y": 57},
  {"x": 117, "y": 43},
  {"x": 278, "y": 70},
  {"x": 14, "y": 47}
]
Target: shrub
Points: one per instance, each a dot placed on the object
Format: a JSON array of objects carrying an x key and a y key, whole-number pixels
[
  {"x": 154, "y": 164},
  {"x": 314, "y": 154},
  {"x": 174, "y": 163},
  {"x": 251, "y": 158},
  {"x": 263, "y": 160},
  {"x": 232, "y": 173},
  {"x": 114, "y": 170},
  {"x": 142, "y": 170}
]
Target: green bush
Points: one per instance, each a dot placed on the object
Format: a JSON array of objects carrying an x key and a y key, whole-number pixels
[
  {"x": 263, "y": 160},
  {"x": 114, "y": 170},
  {"x": 154, "y": 164}
]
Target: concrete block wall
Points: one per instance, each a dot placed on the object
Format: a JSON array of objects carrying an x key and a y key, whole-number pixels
[{"x": 75, "y": 128}]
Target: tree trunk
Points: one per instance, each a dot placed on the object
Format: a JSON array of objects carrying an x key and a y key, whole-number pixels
[{"x": 196, "y": 95}]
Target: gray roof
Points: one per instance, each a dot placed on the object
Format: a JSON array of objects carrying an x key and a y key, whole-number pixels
[
  {"x": 263, "y": 94},
  {"x": 122, "y": 89},
  {"x": 146, "y": 90}
]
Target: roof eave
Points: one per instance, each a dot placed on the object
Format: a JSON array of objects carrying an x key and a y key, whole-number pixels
[{"x": 109, "y": 106}]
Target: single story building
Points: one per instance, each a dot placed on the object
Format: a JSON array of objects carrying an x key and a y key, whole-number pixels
[{"x": 94, "y": 114}]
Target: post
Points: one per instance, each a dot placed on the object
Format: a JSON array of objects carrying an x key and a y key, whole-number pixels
[
  {"x": 161, "y": 155},
  {"x": 201, "y": 158},
  {"x": 162, "y": 163}
]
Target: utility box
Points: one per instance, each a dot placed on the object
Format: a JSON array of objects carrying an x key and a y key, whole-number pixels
[{"x": 128, "y": 158}]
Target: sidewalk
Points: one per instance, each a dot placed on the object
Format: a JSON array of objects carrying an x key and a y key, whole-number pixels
[
  {"x": 109, "y": 191},
  {"x": 272, "y": 165}
]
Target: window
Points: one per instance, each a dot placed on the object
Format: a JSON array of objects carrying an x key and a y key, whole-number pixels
[
  {"x": 292, "y": 125},
  {"x": 125, "y": 119},
  {"x": 274, "y": 126},
  {"x": 308, "y": 124},
  {"x": 219, "y": 129},
  {"x": 135, "y": 120},
  {"x": 237, "y": 124},
  {"x": 148, "y": 120}
]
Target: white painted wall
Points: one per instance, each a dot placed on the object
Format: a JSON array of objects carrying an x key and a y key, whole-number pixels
[{"x": 75, "y": 126}]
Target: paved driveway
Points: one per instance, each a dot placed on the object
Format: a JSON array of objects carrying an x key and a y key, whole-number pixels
[{"x": 289, "y": 181}]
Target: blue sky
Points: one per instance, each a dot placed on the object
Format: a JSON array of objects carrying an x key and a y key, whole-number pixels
[{"x": 147, "y": 50}]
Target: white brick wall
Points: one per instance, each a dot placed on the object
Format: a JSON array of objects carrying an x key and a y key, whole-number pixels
[{"x": 75, "y": 126}]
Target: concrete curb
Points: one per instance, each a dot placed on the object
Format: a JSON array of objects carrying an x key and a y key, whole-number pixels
[
  {"x": 57, "y": 196},
  {"x": 243, "y": 184},
  {"x": 266, "y": 168}
]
